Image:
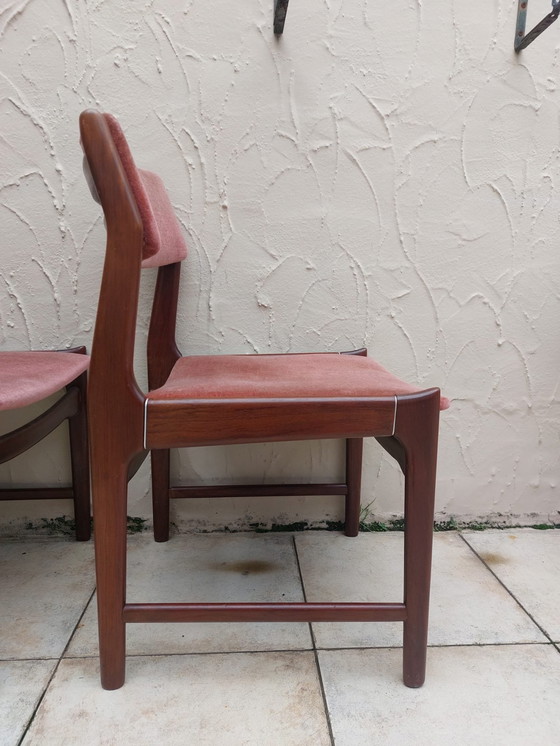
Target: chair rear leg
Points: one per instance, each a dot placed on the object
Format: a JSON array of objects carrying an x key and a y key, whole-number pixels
[
  {"x": 79, "y": 455},
  {"x": 417, "y": 430},
  {"x": 110, "y": 559},
  {"x": 354, "y": 451},
  {"x": 109, "y": 481},
  {"x": 160, "y": 494}
]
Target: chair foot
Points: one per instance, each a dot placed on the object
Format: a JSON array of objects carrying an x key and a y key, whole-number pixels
[
  {"x": 113, "y": 677},
  {"x": 414, "y": 679},
  {"x": 82, "y": 534},
  {"x": 414, "y": 652}
]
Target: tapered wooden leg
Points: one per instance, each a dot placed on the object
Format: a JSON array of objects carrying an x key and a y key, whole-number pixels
[
  {"x": 160, "y": 494},
  {"x": 109, "y": 481},
  {"x": 79, "y": 454},
  {"x": 354, "y": 451},
  {"x": 417, "y": 431}
]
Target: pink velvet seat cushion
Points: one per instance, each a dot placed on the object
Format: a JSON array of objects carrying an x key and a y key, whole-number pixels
[
  {"x": 279, "y": 377},
  {"x": 163, "y": 239},
  {"x": 29, "y": 377}
]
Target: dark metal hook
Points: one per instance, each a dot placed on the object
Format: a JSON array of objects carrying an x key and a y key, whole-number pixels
[
  {"x": 280, "y": 10},
  {"x": 522, "y": 39}
]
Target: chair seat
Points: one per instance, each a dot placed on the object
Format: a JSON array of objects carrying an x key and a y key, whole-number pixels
[
  {"x": 314, "y": 375},
  {"x": 30, "y": 376}
]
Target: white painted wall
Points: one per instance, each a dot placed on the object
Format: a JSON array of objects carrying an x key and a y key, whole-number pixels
[{"x": 384, "y": 174}]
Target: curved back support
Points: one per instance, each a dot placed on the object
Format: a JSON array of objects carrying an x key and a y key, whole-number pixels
[
  {"x": 162, "y": 242},
  {"x": 116, "y": 402},
  {"x": 108, "y": 175}
]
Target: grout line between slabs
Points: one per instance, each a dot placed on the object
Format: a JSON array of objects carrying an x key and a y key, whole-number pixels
[
  {"x": 207, "y": 653},
  {"x": 55, "y": 669},
  {"x": 315, "y": 650},
  {"x": 501, "y": 582},
  {"x": 448, "y": 645},
  {"x": 40, "y": 658},
  {"x": 326, "y": 649}
]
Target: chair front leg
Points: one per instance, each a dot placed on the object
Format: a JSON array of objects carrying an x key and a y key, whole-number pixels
[
  {"x": 354, "y": 451},
  {"x": 109, "y": 482},
  {"x": 160, "y": 494},
  {"x": 79, "y": 455},
  {"x": 417, "y": 431}
]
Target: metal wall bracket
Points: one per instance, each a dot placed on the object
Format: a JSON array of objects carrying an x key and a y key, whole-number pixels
[
  {"x": 280, "y": 10},
  {"x": 522, "y": 39}
]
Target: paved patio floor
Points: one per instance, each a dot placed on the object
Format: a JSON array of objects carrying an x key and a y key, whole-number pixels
[{"x": 493, "y": 666}]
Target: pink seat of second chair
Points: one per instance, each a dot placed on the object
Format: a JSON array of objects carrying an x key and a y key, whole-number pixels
[
  {"x": 30, "y": 376},
  {"x": 280, "y": 377}
]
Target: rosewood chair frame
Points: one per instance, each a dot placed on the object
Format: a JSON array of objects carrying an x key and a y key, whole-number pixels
[
  {"x": 125, "y": 425},
  {"x": 72, "y": 406}
]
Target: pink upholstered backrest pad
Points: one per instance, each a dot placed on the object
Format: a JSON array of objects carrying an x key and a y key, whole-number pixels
[{"x": 163, "y": 239}]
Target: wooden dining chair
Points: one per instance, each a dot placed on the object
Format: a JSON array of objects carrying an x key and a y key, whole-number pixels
[
  {"x": 225, "y": 399},
  {"x": 29, "y": 377}
]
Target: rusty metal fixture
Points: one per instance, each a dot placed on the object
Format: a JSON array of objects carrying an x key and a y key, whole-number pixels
[
  {"x": 280, "y": 10},
  {"x": 522, "y": 39}
]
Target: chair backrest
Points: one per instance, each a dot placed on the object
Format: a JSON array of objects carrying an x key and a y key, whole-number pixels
[
  {"x": 142, "y": 231},
  {"x": 163, "y": 240}
]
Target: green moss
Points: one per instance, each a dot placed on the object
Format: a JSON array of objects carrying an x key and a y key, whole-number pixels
[
  {"x": 297, "y": 526},
  {"x": 258, "y": 528},
  {"x": 374, "y": 526},
  {"x": 61, "y": 526},
  {"x": 335, "y": 525},
  {"x": 135, "y": 525},
  {"x": 396, "y": 524},
  {"x": 65, "y": 526},
  {"x": 450, "y": 525}
]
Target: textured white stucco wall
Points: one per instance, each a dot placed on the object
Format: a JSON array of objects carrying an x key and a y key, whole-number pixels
[{"x": 384, "y": 174}]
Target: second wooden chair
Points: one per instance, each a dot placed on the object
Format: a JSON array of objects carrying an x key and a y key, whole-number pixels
[
  {"x": 212, "y": 400},
  {"x": 29, "y": 377}
]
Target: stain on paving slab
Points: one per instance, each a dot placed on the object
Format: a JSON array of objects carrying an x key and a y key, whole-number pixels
[
  {"x": 248, "y": 567},
  {"x": 493, "y": 558}
]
